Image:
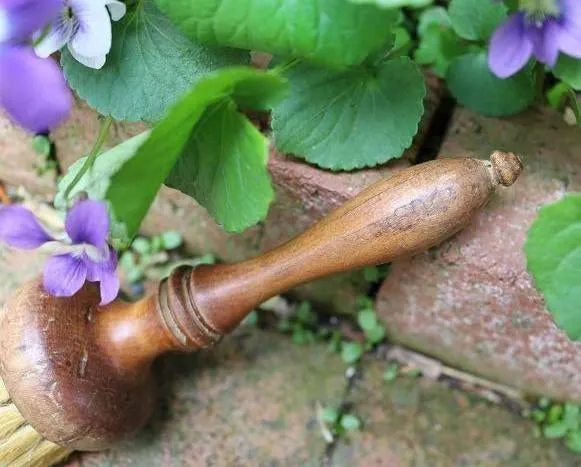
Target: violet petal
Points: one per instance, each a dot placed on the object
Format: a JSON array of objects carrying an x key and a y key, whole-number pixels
[
  {"x": 568, "y": 39},
  {"x": 104, "y": 273},
  {"x": 64, "y": 275},
  {"x": 97, "y": 270},
  {"x": 19, "y": 228},
  {"x": 571, "y": 12},
  {"x": 545, "y": 44},
  {"x": 510, "y": 47},
  {"x": 109, "y": 285},
  {"x": 19, "y": 19},
  {"x": 88, "y": 222},
  {"x": 33, "y": 90}
]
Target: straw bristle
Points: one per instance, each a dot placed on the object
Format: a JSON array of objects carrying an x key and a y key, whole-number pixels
[{"x": 20, "y": 444}]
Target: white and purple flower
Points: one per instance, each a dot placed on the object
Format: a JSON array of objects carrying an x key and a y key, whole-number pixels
[
  {"x": 81, "y": 254},
  {"x": 541, "y": 28},
  {"x": 85, "y": 26},
  {"x": 32, "y": 91}
]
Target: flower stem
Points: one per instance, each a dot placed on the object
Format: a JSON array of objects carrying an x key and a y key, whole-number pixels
[
  {"x": 574, "y": 105},
  {"x": 539, "y": 75},
  {"x": 285, "y": 66},
  {"x": 102, "y": 136}
]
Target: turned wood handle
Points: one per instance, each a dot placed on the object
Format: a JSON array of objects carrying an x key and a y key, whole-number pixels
[{"x": 410, "y": 212}]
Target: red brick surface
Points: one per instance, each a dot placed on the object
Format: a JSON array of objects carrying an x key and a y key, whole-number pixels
[
  {"x": 471, "y": 302},
  {"x": 19, "y": 161}
]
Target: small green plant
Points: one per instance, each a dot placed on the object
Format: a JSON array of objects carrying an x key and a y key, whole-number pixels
[
  {"x": 305, "y": 328},
  {"x": 155, "y": 257},
  {"x": 559, "y": 421},
  {"x": 391, "y": 372},
  {"x": 335, "y": 423},
  {"x": 351, "y": 352},
  {"x": 373, "y": 331},
  {"x": 376, "y": 273},
  {"x": 302, "y": 325},
  {"x": 42, "y": 146}
]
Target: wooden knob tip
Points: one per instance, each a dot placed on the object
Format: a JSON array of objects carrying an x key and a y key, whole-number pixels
[{"x": 507, "y": 167}]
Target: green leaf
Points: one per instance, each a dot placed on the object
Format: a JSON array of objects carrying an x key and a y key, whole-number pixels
[
  {"x": 305, "y": 315},
  {"x": 193, "y": 130},
  {"x": 376, "y": 334},
  {"x": 391, "y": 372},
  {"x": 42, "y": 145},
  {"x": 151, "y": 64},
  {"x": 284, "y": 325},
  {"x": 439, "y": 44},
  {"x": 350, "y": 422},
  {"x": 573, "y": 441},
  {"x": 553, "y": 250},
  {"x": 171, "y": 240},
  {"x": 156, "y": 244},
  {"x": 571, "y": 416},
  {"x": 223, "y": 167},
  {"x": 556, "y": 430},
  {"x": 538, "y": 415},
  {"x": 474, "y": 85},
  {"x": 351, "y": 352},
  {"x": 371, "y": 274},
  {"x": 476, "y": 19},
  {"x": 330, "y": 415},
  {"x": 331, "y": 32},
  {"x": 346, "y": 120},
  {"x": 96, "y": 181},
  {"x": 544, "y": 402},
  {"x": 433, "y": 16},
  {"x": 394, "y": 3},
  {"x": 557, "y": 95},
  {"x": 141, "y": 245},
  {"x": 367, "y": 319},
  {"x": 555, "y": 413},
  {"x": 568, "y": 70},
  {"x": 575, "y": 105},
  {"x": 402, "y": 42},
  {"x": 439, "y": 47}
]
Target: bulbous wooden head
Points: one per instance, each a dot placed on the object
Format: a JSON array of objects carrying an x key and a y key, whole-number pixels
[{"x": 56, "y": 361}]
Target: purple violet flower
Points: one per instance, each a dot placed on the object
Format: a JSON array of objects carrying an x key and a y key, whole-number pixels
[
  {"x": 32, "y": 90},
  {"x": 541, "y": 28},
  {"x": 82, "y": 254}
]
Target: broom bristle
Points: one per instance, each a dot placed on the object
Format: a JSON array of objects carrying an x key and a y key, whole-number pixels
[{"x": 20, "y": 444}]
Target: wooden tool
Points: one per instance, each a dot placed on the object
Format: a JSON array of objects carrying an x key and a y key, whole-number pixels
[{"x": 79, "y": 375}]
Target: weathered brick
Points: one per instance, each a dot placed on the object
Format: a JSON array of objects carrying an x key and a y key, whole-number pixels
[
  {"x": 17, "y": 267},
  {"x": 250, "y": 402},
  {"x": 471, "y": 302},
  {"x": 76, "y": 137},
  {"x": 411, "y": 422},
  {"x": 19, "y": 162}
]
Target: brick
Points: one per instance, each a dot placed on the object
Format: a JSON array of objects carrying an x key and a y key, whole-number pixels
[
  {"x": 411, "y": 422},
  {"x": 17, "y": 267},
  {"x": 76, "y": 137},
  {"x": 251, "y": 401},
  {"x": 471, "y": 302},
  {"x": 19, "y": 163}
]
